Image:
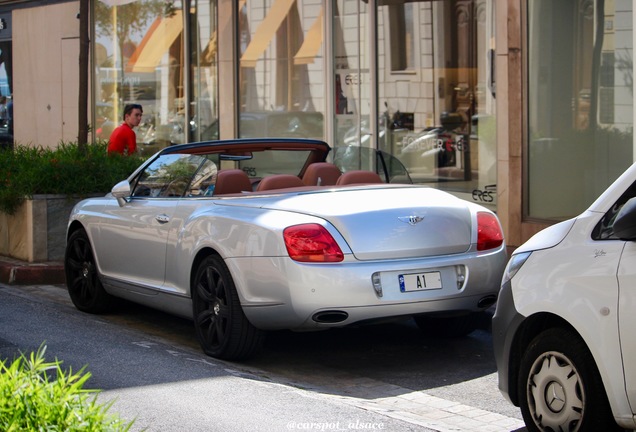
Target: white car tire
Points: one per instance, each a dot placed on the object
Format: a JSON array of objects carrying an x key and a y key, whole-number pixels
[{"x": 560, "y": 387}]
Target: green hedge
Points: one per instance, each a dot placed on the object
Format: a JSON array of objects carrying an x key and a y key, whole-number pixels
[
  {"x": 36, "y": 395},
  {"x": 27, "y": 171}
]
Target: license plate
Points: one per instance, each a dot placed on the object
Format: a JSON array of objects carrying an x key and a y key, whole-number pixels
[{"x": 420, "y": 281}]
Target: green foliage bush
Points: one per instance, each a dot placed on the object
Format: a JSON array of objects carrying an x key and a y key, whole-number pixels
[
  {"x": 36, "y": 395},
  {"x": 27, "y": 171}
]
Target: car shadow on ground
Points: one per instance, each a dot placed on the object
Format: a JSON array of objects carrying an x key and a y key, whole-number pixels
[{"x": 397, "y": 353}]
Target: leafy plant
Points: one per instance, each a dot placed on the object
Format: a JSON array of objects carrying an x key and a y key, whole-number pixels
[
  {"x": 36, "y": 395},
  {"x": 27, "y": 171}
]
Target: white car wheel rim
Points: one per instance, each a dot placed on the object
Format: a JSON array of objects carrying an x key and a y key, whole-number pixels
[{"x": 555, "y": 393}]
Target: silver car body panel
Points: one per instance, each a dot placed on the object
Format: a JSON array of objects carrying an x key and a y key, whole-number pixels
[{"x": 411, "y": 221}]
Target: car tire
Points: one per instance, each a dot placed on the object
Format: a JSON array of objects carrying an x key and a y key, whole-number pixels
[
  {"x": 447, "y": 326},
  {"x": 221, "y": 327},
  {"x": 82, "y": 279},
  {"x": 560, "y": 387}
]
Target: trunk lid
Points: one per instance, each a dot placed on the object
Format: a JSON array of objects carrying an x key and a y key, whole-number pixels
[{"x": 384, "y": 223}]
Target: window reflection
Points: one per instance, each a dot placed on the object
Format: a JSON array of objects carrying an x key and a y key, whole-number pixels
[
  {"x": 435, "y": 98},
  {"x": 170, "y": 175},
  {"x": 436, "y": 93},
  {"x": 139, "y": 59},
  {"x": 580, "y": 108},
  {"x": 402, "y": 35},
  {"x": 281, "y": 89},
  {"x": 352, "y": 78},
  {"x": 203, "y": 72}
]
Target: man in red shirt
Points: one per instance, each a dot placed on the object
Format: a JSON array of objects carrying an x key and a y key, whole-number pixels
[{"x": 123, "y": 139}]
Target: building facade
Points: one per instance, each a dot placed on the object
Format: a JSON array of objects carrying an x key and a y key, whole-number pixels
[{"x": 524, "y": 106}]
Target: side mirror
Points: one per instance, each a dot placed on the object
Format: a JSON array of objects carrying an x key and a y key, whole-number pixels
[
  {"x": 121, "y": 191},
  {"x": 625, "y": 222}
]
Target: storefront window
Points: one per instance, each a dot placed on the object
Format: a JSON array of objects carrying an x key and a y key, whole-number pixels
[
  {"x": 401, "y": 34},
  {"x": 436, "y": 92},
  {"x": 6, "y": 94},
  {"x": 6, "y": 68},
  {"x": 204, "y": 80},
  {"x": 352, "y": 77},
  {"x": 281, "y": 85},
  {"x": 580, "y": 102},
  {"x": 139, "y": 59}
]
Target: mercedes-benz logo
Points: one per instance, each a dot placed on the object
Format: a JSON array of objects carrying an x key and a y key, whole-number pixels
[
  {"x": 555, "y": 397},
  {"x": 411, "y": 220}
]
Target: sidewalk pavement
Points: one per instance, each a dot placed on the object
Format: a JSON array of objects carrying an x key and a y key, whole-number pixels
[{"x": 16, "y": 272}]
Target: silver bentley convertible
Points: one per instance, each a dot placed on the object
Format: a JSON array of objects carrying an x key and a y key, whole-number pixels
[{"x": 246, "y": 236}]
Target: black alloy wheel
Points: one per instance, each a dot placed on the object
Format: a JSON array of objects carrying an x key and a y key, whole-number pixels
[
  {"x": 82, "y": 280},
  {"x": 560, "y": 388},
  {"x": 220, "y": 324}
]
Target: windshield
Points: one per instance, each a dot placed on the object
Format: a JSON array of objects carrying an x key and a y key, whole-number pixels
[{"x": 351, "y": 158}]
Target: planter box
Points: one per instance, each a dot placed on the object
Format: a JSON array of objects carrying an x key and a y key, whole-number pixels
[{"x": 37, "y": 231}]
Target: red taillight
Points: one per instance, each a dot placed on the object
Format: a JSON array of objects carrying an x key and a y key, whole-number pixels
[
  {"x": 311, "y": 243},
  {"x": 489, "y": 235}
]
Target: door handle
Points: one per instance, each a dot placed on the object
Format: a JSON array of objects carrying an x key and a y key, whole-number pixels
[{"x": 162, "y": 218}]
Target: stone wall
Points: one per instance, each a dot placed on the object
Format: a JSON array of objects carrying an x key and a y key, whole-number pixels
[{"x": 37, "y": 231}]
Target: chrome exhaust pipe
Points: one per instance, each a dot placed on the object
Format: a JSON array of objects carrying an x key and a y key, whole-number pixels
[{"x": 330, "y": 317}]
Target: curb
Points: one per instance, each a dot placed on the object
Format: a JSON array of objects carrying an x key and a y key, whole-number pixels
[{"x": 15, "y": 272}]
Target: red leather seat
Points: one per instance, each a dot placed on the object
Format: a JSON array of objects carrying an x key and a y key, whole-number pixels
[
  {"x": 279, "y": 181},
  {"x": 321, "y": 174},
  {"x": 232, "y": 181},
  {"x": 359, "y": 177}
]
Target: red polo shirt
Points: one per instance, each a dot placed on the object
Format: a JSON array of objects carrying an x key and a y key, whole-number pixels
[{"x": 123, "y": 138}]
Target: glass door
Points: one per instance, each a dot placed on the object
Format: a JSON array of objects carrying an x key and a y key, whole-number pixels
[
  {"x": 440, "y": 92},
  {"x": 6, "y": 94},
  {"x": 139, "y": 58},
  {"x": 580, "y": 103},
  {"x": 203, "y": 82},
  {"x": 353, "y": 97},
  {"x": 281, "y": 69}
]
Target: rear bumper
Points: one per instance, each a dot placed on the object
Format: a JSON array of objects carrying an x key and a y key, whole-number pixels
[
  {"x": 278, "y": 293},
  {"x": 273, "y": 317}
]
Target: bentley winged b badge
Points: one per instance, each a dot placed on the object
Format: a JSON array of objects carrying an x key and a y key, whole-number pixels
[{"x": 411, "y": 220}]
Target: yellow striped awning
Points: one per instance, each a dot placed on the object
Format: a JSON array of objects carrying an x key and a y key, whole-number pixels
[
  {"x": 265, "y": 32},
  {"x": 311, "y": 45},
  {"x": 161, "y": 35}
]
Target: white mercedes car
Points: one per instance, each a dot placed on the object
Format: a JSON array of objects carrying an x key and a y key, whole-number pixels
[
  {"x": 562, "y": 330},
  {"x": 246, "y": 236}
]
